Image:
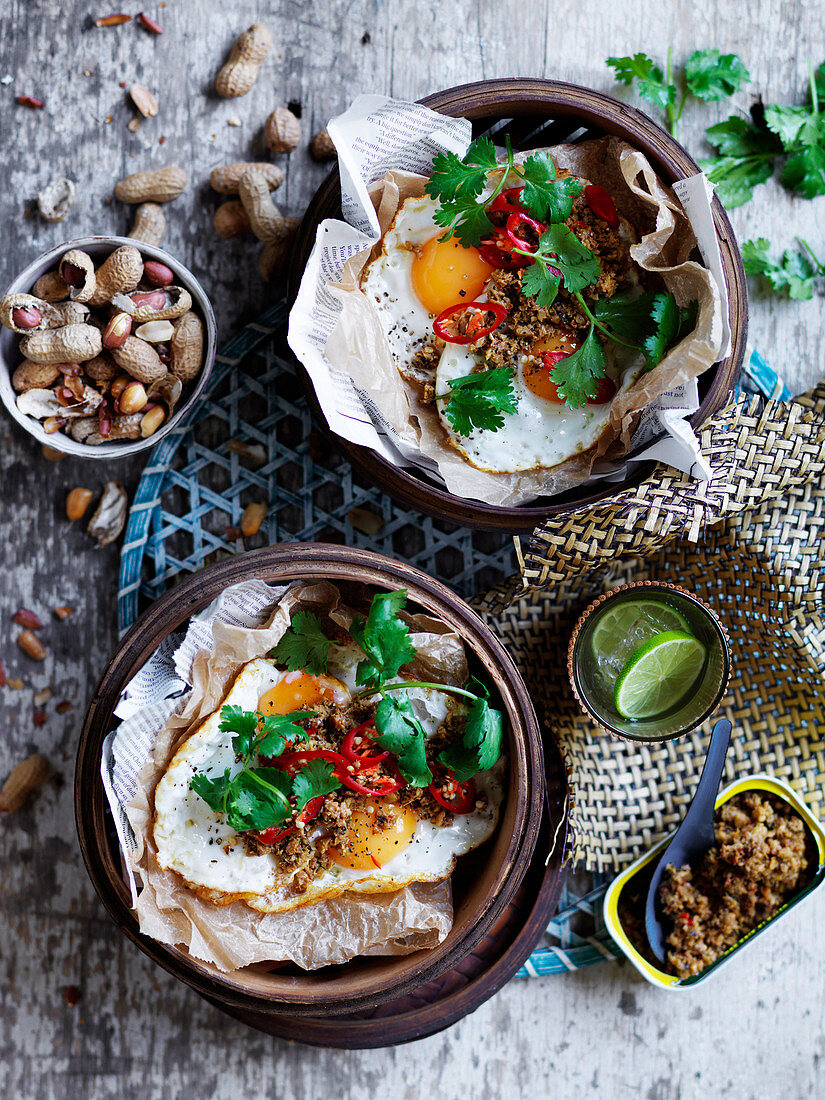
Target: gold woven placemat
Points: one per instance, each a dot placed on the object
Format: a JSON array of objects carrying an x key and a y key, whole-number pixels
[{"x": 751, "y": 543}]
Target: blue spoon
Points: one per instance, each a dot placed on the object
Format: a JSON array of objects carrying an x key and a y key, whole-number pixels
[{"x": 693, "y": 837}]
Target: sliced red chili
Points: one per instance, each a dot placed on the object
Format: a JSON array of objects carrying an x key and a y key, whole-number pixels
[
  {"x": 475, "y": 327},
  {"x": 273, "y": 834},
  {"x": 601, "y": 203},
  {"x": 516, "y": 225},
  {"x": 606, "y": 392},
  {"x": 498, "y": 252},
  {"x": 458, "y": 798},
  {"x": 291, "y": 760},
  {"x": 383, "y": 784},
  {"x": 508, "y": 202},
  {"x": 359, "y": 747}
]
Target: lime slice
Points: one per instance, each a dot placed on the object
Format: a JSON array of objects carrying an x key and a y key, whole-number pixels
[
  {"x": 625, "y": 626},
  {"x": 659, "y": 675}
]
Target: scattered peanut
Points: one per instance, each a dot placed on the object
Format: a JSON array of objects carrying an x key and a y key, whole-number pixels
[
  {"x": 321, "y": 147},
  {"x": 155, "y": 305},
  {"x": 238, "y": 75},
  {"x": 50, "y": 454},
  {"x": 112, "y": 20},
  {"x": 70, "y": 344},
  {"x": 28, "y": 619},
  {"x": 160, "y": 185},
  {"x": 151, "y": 421},
  {"x": 155, "y": 332},
  {"x": 148, "y": 24},
  {"x": 118, "y": 386},
  {"x": 186, "y": 346},
  {"x": 55, "y": 200},
  {"x": 118, "y": 274},
  {"x": 64, "y": 612},
  {"x": 77, "y": 502},
  {"x": 282, "y": 131},
  {"x": 157, "y": 274},
  {"x": 34, "y": 376},
  {"x": 40, "y": 698},
  {"x": 132, "y": 399},
  {"x": 50, "y": 287},
  {"x": 125, "y": 426},
  {"x": 273, "y": 252},
  {"x": 31, "y": 645},
  {"x": 143, "y": 100},
  {"x": 25, "y": 778},
  {"x": 252, "y": 518},
  {"x": 231, "y": 220},
  {"x": 225, "y": 179},
  {"x": 139, "y": 359},
  {"x": 109, "y": 518},
  {"x": 150, "y": 224},
  {"x": 116, "y": 331},
  {"x": 264, "y": 216}
]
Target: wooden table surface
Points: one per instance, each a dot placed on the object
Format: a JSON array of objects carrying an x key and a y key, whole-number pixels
[{"x": 757, "y": 1029}]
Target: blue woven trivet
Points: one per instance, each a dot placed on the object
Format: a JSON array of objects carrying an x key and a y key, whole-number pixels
[{"x": 197, "y": 482}]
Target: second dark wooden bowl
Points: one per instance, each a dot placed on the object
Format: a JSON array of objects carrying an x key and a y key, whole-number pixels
[
  {"x": 536, "y": 113},
  {"x": 484, "y": 882}
]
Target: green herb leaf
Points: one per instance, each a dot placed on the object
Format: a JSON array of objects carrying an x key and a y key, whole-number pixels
[
  {"x": 672, "y": 324},
  {"x": 384, "y": 638},
  {"x": 478, "y": 400},
  {"x": 465, "y": 219},
  {"x": 651, "y": 83},
  {"x": 400, "y": 732},
  {"x": 243, "y": 723},
  {"x": 459, "y": 177},
  {"x": 626, "y": 316},
  {"x": 546, "y": 197},
  {"x": 577, "y": 376},
  {"x": 258, "y": 799},
  {"x": 315, "y": 779},
  {"x": 277, "y": 729},
  {"x": 480, "y": 747},
  {"x": 711, "y": 75},
  {"x": 746, "y": 158},
  {"x": 791, "y": 124},
  {"x": 805, "y": 172},
  {"x": 212, "y": 791},
  {"x": 793, "y": 275},
  {"x": 304, "y": 647},
  {"x": 559, "y": 247},
  {"x": 539, "y": 282}
]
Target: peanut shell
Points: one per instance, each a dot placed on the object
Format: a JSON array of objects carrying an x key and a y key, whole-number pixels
[
  {"x": 50, "y": 287},
  {"x": 70, "y": 344},
  {"x": 139, "y": 359},
  {"x": 282, "y": 131},
  {"x": 226, "y": 178},
  {"x": 186, "y": 347},
  {"x": 118, "y": 274},
  {"x": 150, "y": 224},
  {"x": 238, "y": 75},
  {"x": 82, "y": 260},
  {"x": 34, "y": 376},
  {"x": 231, "y": 220},
  {"x": 161, "y": 185}
]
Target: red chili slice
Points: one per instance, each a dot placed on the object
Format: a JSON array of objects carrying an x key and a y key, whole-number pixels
[
  {"x": 458, "y": 798},
  {"x": 498, "y": 251},
  {"x": 508, "y": 202},
  {"x": 601, "y": 203},
  {"x": 384, "y": 784},
  {"x": 273, "y": 834},
  {"x": 475, "y": 328},
  {"x": 365, "y": 755},
  {"x": 514, "y": 231},
  {"x": 606, "y": 392}
]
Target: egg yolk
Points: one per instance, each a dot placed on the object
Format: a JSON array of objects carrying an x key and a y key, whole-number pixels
[
  {"x": 445, "y": 273},
  {"x": 297, "y": 690},
  {"x": 371, "y": 847},
  {"x": 537, "y": 369}
]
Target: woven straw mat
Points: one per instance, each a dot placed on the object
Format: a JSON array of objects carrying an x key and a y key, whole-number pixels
[{"x": 751, "y": 543}]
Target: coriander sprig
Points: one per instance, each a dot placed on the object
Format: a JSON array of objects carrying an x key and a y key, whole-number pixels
[{"x": 794, "y": 274}]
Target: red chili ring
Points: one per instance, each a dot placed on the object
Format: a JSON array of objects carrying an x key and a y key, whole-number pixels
[
  {"x": 508, "y": 202},
  {"x": 601, "y": 203},
  {"x": 441, "y": 331},
  {"x": 467, "y": 791},
  {"x": 513, "y": 224}
]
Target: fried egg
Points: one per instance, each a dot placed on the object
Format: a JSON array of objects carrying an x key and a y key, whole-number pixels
[
  {"x": 198, "y": 844},
  {"x": 417, "y": 275},
  {"x": 542, "y": 431}
]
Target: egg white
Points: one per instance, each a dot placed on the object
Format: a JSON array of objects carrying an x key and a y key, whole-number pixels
[
  {"x": 387, "y": 280},
  {"x": 198, "y": 844}
]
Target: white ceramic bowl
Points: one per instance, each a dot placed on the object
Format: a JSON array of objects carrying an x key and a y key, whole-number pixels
[{"x": 99, "y": 248}]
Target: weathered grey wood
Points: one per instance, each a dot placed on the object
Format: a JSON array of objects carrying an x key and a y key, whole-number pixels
[{"x": 756, "y": 1030}]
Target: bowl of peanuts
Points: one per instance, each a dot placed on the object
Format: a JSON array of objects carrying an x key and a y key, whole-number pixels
[{"x": 106, "y": 343}]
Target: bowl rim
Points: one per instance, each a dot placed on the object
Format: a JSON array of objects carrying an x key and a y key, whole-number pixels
[
  {"x": 281, "y": 564},
  {"x": 760, "y": 781},
  {"x": 568, "y": 99},
  {"x": 59, "y": 441}
]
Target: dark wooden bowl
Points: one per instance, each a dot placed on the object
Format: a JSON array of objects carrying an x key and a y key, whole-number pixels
[
  {"x": 484, "y": 882},
  {"x": 535, "y": 113}
]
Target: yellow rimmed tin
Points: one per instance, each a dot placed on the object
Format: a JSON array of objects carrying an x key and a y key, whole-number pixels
[{"x": 659, "y": 977}]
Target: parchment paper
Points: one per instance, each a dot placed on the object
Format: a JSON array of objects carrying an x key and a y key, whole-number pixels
[
  {"x": 245, "y": 622},
  {"x": 335, "y": 330}
]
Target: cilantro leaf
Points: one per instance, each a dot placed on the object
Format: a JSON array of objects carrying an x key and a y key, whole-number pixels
[
  {"x": 541, "y": 282},
  {"x": 465, "y": 219},
  {"x": 304, "y": 647},
  {"x": 243, "y": 723},
  {"x": 561, "y": 248},
  {"x": 746, "y": 158},
  {"x": 672, "y": 324},
  {"x": 384, "y": 639},
  {"x": 455, "y": 176},
  {"x": 805, "y": 172},
  {"x": 481, "y": 745},
  {"x": 627, "y": 317},
  {"x": 577, "y": 375},
  {"x": 711, "y": 75},
  {"x": 794, "y": 274},
  {"x": 400, "y": 732},
  {"x": 277, "y": 729},
  {"x": 258, "y": 799},
  {"x": 478, "y": 400},
  {"x": 546, "y": 197},
  {"x": 212, "y": 791},
  {"x": 651, "y": 83},
  {"x": 791, "y": 124},
  {"x": 315, "y": 779}
]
